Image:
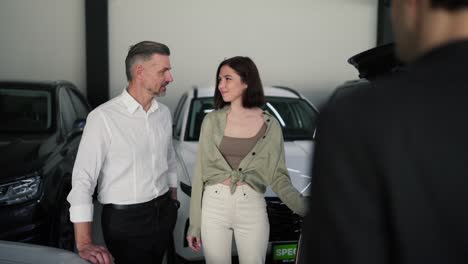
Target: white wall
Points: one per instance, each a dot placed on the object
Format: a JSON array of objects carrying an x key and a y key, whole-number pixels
[
  {"x": 303, "y": 44},
  {"x": 43, "y": 40}
]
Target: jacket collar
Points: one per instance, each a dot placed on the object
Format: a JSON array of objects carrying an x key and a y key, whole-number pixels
[
  {"x": 227, "y": 108},
  {"x": 222, "y": 120}
]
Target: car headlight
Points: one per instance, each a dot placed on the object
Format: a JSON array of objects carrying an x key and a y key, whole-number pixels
[{"x": 20, "y": 191}]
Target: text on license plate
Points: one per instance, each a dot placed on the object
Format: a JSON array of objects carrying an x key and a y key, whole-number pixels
[{"x": 284, "y": 252}]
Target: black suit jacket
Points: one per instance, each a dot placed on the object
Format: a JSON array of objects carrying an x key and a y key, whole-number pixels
[{"x": 390, "y": 178}]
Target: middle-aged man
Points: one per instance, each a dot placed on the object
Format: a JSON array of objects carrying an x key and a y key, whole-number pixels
[
  {"x": 126, "y": 150},
  {"x": 391, "y": 166}
]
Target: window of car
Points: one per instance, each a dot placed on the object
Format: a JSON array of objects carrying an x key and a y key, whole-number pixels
[
  {"x": 79, "y": 105},
  {"x": 25, "y": 110},
  {"x": 178, "y": 117},
  {"x": 296, "y": 117}
]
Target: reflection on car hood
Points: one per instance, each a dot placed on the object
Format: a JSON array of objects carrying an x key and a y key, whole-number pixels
[
  {"x": 19, "y": 157},
  {"x": 298, "y": 161}
]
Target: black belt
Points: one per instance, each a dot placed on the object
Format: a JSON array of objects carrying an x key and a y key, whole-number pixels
[{"x": 153, "y": 203}]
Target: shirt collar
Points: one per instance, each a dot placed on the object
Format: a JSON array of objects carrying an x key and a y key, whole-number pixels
[
  {"x": 132, "y": 105},
  {"x": 154, "y": 106}
]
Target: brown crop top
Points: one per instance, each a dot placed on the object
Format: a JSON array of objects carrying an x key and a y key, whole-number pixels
[{"x": 235, "y": 149}]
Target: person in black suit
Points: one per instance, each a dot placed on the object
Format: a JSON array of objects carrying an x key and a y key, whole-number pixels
[{"x": 390, "y": 177}]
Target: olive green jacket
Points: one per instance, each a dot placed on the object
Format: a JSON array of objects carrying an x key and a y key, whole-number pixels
[{"x": 263, "y": 166}]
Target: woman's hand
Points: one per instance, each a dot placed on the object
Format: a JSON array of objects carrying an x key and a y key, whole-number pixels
[{"x": 194, "y": 243}]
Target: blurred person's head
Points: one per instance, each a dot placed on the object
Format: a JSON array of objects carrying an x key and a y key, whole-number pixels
[
  {"x": 421, "y": 25},
  {"x": 237, "y": 78}
]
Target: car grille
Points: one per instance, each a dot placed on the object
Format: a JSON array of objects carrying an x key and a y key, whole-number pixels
[{"x": 284, "y": 224}]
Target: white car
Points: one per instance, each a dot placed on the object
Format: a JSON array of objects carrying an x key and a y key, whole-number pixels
[{"x": 296, "y": 115}]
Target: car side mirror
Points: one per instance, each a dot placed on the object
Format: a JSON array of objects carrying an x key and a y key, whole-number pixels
[{"x": 77, "y": 128}]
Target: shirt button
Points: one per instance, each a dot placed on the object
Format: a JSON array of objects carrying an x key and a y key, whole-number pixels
[
  {"x": 264, "y": 137},
  {"x": 253, "y": 154},
  {"x": 240, "y": 169},
  {"x": 268, "y": 120}
]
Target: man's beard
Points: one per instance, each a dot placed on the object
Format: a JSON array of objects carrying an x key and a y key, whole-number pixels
[
  {"x": 162, "y": 91},
  {"x": 160, "y": 94}
]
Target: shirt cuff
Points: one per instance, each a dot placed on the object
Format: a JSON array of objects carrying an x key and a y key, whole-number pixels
[
  {"x": 173, "y": 180},
  {"x": 81, "y": 213}
]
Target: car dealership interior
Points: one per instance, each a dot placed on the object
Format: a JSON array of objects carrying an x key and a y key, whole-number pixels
[{"x": 63, "y": 58}]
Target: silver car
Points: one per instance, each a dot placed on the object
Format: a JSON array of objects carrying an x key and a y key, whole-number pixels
[
  {"x": 21, "y": 253},
  {"x": 296, "y": 115}
]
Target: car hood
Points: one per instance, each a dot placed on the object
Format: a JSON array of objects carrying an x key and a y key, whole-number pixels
[
  {"x": 298, "y": 162},
  {"x": 19, "y": 157}
]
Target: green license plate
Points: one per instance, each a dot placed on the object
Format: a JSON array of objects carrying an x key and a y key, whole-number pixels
[{"x": 284, "y": 252}]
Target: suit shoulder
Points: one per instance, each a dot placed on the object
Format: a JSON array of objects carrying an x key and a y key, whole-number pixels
[{"x": 368, "y": 96}]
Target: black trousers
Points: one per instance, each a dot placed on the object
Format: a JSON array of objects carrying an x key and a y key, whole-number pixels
[{"x": 139, "y": 233}]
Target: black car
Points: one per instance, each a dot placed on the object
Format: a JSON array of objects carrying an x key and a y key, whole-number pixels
[
  {"x": 40, "y": 130},
  {"x": 372, "y": 64}
]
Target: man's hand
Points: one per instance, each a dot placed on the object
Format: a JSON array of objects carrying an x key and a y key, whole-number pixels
[
  {"x": 194, "y": 243},
  {"x": 86, "y": 249},
  {"x": 95, "y": 254}
]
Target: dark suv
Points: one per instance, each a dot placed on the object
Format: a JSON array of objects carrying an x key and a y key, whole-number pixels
[{"x": 40, "y": 130}]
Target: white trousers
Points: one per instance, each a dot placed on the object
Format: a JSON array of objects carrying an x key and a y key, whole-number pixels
[{"x": 242, "y": 214}]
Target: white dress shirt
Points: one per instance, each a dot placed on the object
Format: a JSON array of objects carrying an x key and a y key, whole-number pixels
[{"x": 127, "y": 151}]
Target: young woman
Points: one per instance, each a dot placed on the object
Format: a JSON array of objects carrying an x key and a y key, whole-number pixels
[{"x": 240, "y": 153}]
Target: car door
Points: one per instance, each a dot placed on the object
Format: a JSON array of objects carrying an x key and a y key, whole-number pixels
[
  {"x": 82, "y": 109},
  {"x": 177, "y": 135}
]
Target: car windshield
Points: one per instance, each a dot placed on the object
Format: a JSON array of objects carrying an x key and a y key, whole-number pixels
[
  {"x": 296, "y": 117},
  {"x": 25, "y": 110}
]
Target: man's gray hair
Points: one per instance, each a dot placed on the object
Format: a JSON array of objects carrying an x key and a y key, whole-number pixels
[{"x": 143, "y": 51}]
